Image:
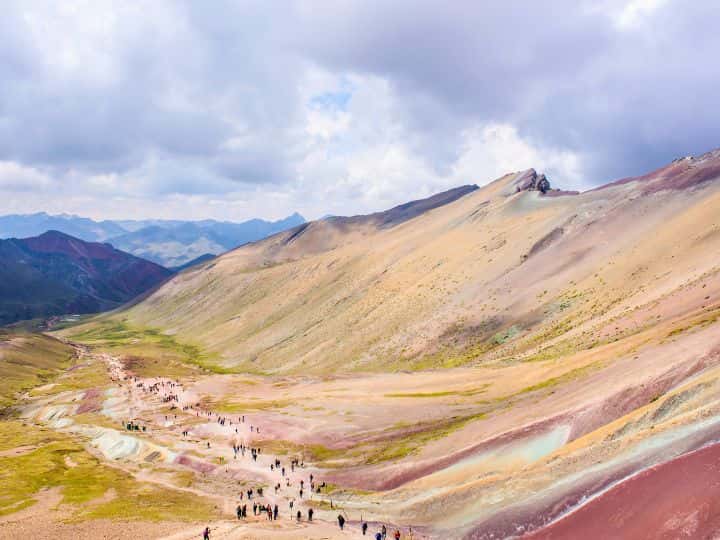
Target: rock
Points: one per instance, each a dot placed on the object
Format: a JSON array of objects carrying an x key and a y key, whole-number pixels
[{"x": 532, "y": 181}]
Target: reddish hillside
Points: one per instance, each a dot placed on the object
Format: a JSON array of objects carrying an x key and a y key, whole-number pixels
[{"x": 55, "y": 273}]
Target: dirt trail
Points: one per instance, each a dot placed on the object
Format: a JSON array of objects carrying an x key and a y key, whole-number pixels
[{"x": 178, "y": 435}]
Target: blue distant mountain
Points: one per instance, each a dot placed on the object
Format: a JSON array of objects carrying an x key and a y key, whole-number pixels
[{"x": 170, "y": 243}]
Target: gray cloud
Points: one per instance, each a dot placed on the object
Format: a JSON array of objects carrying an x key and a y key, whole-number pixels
[{"x": 353, "y": 101}]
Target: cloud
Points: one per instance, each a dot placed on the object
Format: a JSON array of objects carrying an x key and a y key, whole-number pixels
[
  {"x": 15, "y": 177},
  {"x": 255, "y": 108}
]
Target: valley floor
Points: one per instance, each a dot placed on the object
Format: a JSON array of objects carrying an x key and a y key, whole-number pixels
[{"x": 484, "y": 452}]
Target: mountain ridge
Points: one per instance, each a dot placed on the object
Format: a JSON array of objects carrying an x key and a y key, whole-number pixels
[
  {"x": 167, "y": 242},
  {"x": 55, "y": 274},
  {"x": 444, "y": 279}
]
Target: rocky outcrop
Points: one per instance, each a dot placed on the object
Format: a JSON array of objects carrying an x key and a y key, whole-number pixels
[{"x": 532, "y": 181}]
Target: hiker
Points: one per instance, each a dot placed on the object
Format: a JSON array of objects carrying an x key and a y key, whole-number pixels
[
  {"x": 244, "y": 510},
  {"x": 269, "y": 513},
  {"x": 239, "y": 512},
  {"x": 310, "y": 514},
  {"x": 364, "y": 528},
  {"x": 206, "y": 533},
  {"x": 341, "y": 521},
  {"x": 275, "y": 512},
  {"x": 254, "y": 509}
]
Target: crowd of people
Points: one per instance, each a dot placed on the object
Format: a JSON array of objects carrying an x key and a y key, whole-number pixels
[{"x": 170, "y": 392}]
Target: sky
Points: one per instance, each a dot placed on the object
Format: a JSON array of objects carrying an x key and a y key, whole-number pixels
[{"x": 241, "y": 109}]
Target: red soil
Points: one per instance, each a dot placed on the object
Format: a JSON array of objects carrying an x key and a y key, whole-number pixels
[
  {"x": 194, "y": 464},
  {"x": 676, "y": 499},
  {"x": 91, "y": 401}
]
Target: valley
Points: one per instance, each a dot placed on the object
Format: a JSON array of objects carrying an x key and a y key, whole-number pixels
[{"x": 494, "y": 363}]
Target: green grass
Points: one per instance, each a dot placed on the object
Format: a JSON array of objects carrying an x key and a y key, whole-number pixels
[
  {"x": 58, "y": 461},
  {"x": 230, "y": 406},
  {"x": 399, "y": 447},
  {"x": 560, "y": 379},
  {"x": 90, "y": 373},
  {"x": 445, "y": 393},
  {"x": 155, "y": 352}
]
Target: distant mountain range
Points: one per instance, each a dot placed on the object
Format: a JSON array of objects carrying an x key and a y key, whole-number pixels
[
  {"x": 54, "y": 274},
  {"x": 170, "y": 243}
]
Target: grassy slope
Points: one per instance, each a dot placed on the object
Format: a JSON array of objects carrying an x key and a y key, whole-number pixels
[
  {"x": 146, "y": 351},
  {"x": 28, "y": 360},
  {"x": 44, "y": 458},
  {"x": 57, "y": 460}
]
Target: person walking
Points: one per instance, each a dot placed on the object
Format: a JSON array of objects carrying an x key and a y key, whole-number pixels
[
  {"x": 310, "y": 514},
  {"x": 341, "y": 521},
  {"x": 206, "y": 533},
  {"x": 364, "y": 528}
]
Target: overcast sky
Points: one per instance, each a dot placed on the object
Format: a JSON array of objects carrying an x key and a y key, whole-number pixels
[{"x": 240, "y": 109}]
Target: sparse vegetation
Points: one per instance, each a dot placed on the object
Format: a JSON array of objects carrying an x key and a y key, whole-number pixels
[
  {"x": 28, "y": 360},
  {"x": 56, "y": 460},
  {"x": 152, "y": 351}
]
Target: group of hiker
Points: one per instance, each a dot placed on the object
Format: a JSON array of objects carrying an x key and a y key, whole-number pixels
[
  {"x": 134, "y": 426},
  {"x": 168, "y": 392}
]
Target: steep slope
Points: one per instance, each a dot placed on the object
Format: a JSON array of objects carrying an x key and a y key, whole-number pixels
[
  {"x": 501, "y": 272},
  {"x": 205, "y": 257},
  {"x": 580, "y": 336},
  {"x": 55, "y": 273},
  {"x": 28, "y": 360}
]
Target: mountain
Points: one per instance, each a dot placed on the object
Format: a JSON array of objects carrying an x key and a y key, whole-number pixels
[
  {"x": 492, "y": 272},
  {"x": 55, "y": 273},
  {"x": 514, "y": 360},
  {"x": 23, "y": 226},
  {"x": 170, "y": 243},
  {"x": 173, "y": 244}
]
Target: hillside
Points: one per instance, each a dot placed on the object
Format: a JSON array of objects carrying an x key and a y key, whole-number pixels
[
  {"x": 54, "y": 273},
  {"x": 513, "y": 360},
  {"x": 502, "y": 272}
]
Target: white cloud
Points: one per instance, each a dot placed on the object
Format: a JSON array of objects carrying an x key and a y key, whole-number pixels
[
  {"x": 15, "y": 177},
  {"x": 236, "y": 110}
]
